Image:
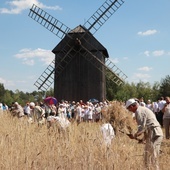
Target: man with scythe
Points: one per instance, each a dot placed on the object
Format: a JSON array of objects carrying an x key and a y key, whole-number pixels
[{"x": 150, "y": 127}]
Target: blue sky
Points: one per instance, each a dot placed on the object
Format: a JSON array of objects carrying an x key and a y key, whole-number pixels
[{"x": 137, "y": 38}]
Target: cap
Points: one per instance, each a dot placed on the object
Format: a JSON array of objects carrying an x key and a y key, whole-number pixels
[
  {"x": 32, "y": 104},
  {"x": 16, "y": 103},
  {"x": 130, "y": 102}
]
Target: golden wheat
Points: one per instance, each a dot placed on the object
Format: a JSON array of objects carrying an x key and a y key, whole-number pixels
[{"x": 29, "y": 147}]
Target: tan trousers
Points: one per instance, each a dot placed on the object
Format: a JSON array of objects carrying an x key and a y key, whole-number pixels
[{"x": 152, "y": 149}]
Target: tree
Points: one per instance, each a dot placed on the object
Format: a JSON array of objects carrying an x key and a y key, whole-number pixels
[
  {"x": 144, "y": 90},
  {"x": 2, "y": 91},
  {"x": 50, "y": 92},
  {"x": 156, "y": 91},
  {"x": 165, "y": 86},
  {"x": 8, "y": 98},
  {"x": 126, "y": 91}
]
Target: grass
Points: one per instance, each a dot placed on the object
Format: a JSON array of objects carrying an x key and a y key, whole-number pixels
[{"x": 29, "y": 147}]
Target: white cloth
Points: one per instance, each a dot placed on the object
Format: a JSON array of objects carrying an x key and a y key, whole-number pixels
[
  {"x": 161, "y": 104},
  {"x": 64, "y": 122},
  {"x": 155, "y": 107},
  {"x": 27, "y": 110},
  {"x": 108, "y": 133}
]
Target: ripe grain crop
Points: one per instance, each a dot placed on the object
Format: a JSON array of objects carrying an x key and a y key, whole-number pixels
[{"x": 26, "y": 146}]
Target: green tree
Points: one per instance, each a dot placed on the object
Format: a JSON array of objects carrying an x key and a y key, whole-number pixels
[
  {"x": 155, "y": 91},
  {"x": 165, "y": 86},
  {"x": 126, "y": 91},
  {"x": 2, "y": 92},
  {"x": 8, "y": 98},
  {"x": 111, "y": 89},
  {"x": 50, "y": 92}
]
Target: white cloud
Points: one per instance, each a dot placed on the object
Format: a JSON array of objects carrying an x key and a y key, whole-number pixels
[
  {"x": 21, "y": 81},
  {"x": 28, "y": 56},
  {"x": 147, "y": 53},
  {"x": 155, "y": 53},
  {"x": 158, "y": 53},
  {"x": 28, "y": 62},
  {"x": 141, "y": 76},
  {"x": 125, "y": 58},
  {"x": 2, "y": 80},
  {"x": 6, "y": 83},
  {"x": 115, "y": 60},
  {"x": 17, "y": 6},
  {"x": 148, "y": 32},
  {"x": 137, "y": 77},
  {"x": 145, "y": 68}
]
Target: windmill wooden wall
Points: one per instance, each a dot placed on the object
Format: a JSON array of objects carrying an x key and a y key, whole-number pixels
[{"x": 80, "y": 79}]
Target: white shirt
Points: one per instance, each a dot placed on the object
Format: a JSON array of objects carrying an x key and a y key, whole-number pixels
[{"x": 161, "y": 104}]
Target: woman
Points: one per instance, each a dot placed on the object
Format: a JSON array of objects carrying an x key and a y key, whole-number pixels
[{"x": 166, "y": 117}]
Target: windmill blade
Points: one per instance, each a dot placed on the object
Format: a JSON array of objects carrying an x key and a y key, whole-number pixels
[
  {"x": 108, "y": 8},
  {"x": 113, "y": 72},
  {"x": 49, "y": 22},
  {"x": 47, "y": 78},
  {"x": 57, "y": 66},
  {"x": 116, "y": 75}
]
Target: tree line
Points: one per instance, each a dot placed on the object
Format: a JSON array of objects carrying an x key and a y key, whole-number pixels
[{"x": 113, "y": 92}]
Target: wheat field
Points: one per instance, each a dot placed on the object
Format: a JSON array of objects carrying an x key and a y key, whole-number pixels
[{"x": 26, "y": 146}]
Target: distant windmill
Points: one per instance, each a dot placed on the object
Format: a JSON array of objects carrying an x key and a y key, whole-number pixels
[{"x": 81, "y": 63}]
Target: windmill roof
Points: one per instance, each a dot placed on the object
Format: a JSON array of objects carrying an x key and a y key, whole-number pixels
[
  {"x": 86, "y": 39},
  {"x": 78, "y": 29}
]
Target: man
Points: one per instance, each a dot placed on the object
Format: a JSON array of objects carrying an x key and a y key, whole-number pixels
[
  {"x": 18, "y": 110},
  {"x": 161, "y": 104},
  {"x": 147, "y": 124},
  {"x": 37, "y": 113},
  {"x": 149, "y": 105},
  {"x": 141, "y": 102},
  {"x": 27, "y": 109}
]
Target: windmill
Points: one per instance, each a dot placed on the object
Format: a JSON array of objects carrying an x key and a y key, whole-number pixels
[{"x": 81, "y": 62}]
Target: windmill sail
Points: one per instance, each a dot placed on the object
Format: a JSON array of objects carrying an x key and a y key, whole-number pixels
[
  {"x": 49, "y": 22},
  {"x": 56, "y": 67},
  {"x": 108, "y": 8},
  {"x": 47, "y": 78},
  {"x": 115, "y": 74},
  {"x": 68, "y": 50}
]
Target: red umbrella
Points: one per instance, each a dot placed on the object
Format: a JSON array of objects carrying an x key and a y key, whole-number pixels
[{"x": 50, "y": 100}]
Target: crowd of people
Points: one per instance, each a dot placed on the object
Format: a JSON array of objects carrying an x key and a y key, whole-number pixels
[
  {"x": 161, "y": 109},
  {"x": 39, "y": 112},
  {"x": 84, "y": 111}
]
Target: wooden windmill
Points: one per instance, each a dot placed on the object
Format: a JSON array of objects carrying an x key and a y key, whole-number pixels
[{"x": 81, "y": 63}]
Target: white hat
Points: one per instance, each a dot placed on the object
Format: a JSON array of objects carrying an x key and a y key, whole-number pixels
[
  {"x": 32, "y": 104},
  {"x": 16, "y": 103},
  {"x": 130, "y": 102}
]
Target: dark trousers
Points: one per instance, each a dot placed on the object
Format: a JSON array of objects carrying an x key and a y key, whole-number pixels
[{"x": 159, "y": 117}]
